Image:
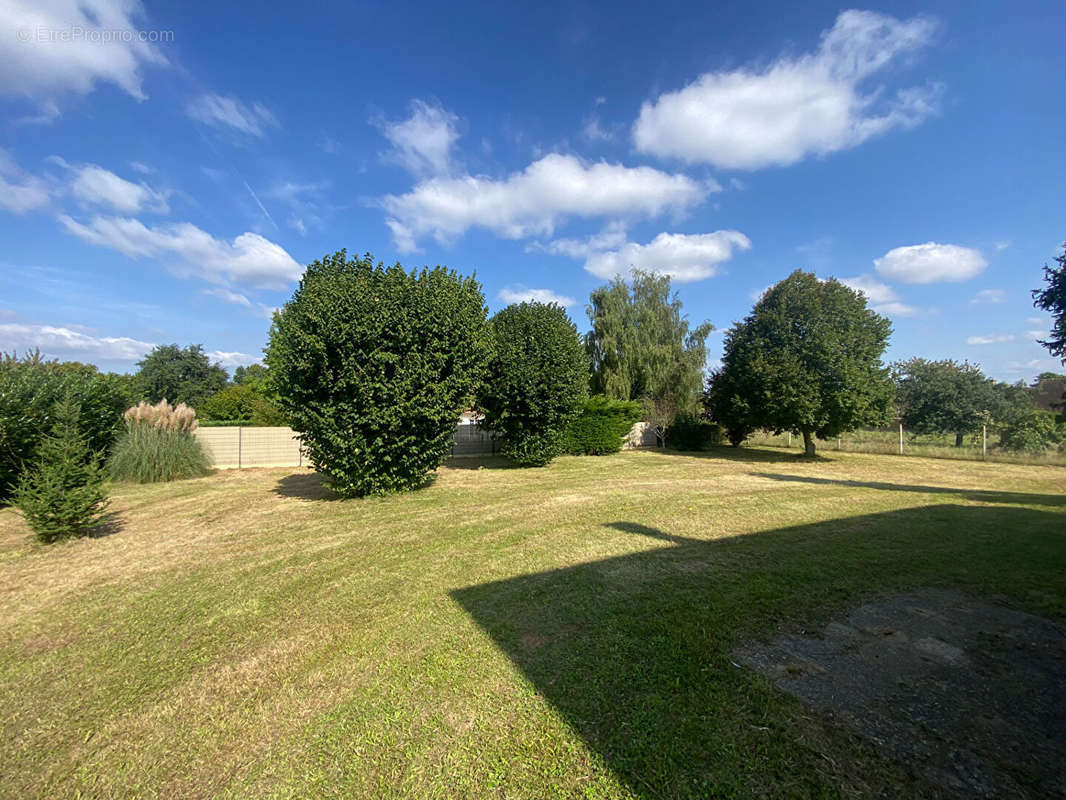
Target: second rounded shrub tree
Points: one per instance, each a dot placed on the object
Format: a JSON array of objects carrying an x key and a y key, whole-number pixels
[
  {"x": 373, "y": 365},
  {"x": 536, "y": 382}
]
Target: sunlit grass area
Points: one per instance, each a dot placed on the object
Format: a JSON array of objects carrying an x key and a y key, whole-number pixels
[
  {"x": 886, "y": 442},
  {"x": 556, "y": 632}
]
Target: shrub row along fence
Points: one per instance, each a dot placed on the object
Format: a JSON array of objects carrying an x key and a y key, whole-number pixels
[{"x": 235, "y": 447}]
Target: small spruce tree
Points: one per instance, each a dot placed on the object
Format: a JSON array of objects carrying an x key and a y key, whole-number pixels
[{"x": 62, "y": 494}]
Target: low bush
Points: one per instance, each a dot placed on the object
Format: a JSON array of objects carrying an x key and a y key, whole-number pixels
[
  {"x": 601, "y": 426},
  {"x": 692, "y": 432},
  {"x": 158, "y": 445},
  {"x": 62, "y": 494},
  {"x": 1033, "y": 433}
]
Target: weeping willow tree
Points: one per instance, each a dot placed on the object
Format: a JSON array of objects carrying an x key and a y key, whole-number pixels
[{"x": 641, "y": 347}]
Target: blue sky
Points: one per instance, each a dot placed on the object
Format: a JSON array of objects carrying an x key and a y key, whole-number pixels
[{"x": 166, "y": 169}]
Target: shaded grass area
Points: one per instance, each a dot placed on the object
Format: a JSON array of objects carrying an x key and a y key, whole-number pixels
[{"x": 523, "y": 633}]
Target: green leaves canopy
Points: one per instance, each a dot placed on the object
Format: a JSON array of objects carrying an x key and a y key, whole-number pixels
[
  {"x": 640, "y": 345},
  {"x": 537, "y": 380},
  {"x": 806, "y": 359},
  {"x": 179, "y": 374},
  {"x": 372, "y": 365}
]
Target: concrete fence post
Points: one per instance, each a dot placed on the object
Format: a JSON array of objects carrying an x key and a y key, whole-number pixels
[
  {"x": 239, "y": 443},
  {"x": 984, "y": 441},
  {"x": 901, "y": 438}
]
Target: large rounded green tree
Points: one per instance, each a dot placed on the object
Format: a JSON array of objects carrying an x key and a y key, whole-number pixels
[
  {"x": 537, "y": 380},
  {"x": 807, "y": 359},
  {"x": 373, "y": 365}
]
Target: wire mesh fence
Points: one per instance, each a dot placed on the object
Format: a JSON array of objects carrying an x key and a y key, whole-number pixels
[{"x": 896, "y": 440}]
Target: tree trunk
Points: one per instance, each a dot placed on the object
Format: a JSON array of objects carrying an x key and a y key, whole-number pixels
[
  {"x": 808, "y": 444},
  {"x": 958, "y": 440}
]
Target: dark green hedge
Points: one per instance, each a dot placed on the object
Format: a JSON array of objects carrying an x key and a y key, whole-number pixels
[
  {"x": 691, "y": 432},
  {"x": 372, "y": 366},
  {"x": 599, "y": 429}
]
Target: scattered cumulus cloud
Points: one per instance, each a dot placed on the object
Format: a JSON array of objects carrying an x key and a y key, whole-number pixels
[
  {"x": 422, "y": 144},
  {"x": 220, "y": 111},
  {"x": 522, "y": 295},
  {"x": 882, "y": 297},
  {"x": 992, "y": 338},
  {"x": 229, "y": 297},
  {"x": 249, "y": 259},
  {"x": 19, "y": 191},
  {"x": 930, "y": 263},
  {"x": 37, "y": 68},
  {"x": 94, "y": 185},
  {"x": 796, "y": 107},
  {"x": 989, "y": 296},
  {"x": 684, "y": 257},
  {"x": 1036, "y": 335},
  {"x": 613, "y": 235},
  {"x": 230, "y": 360},
  {"x": 533, "y": 201},
  {"x": 71, "y": 342}
]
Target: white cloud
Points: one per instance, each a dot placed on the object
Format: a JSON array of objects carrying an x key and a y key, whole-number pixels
[
  {"x": 593, "y": 131},
  {"x": 229, "y": 297},
  {"x": 1037, "y": 334},
  {"x": 47, "y": 113},
  {"x": 989, "y": 296},
  {"x": 220, "y": 111},
  {"x": 1036, "y": 320},
  {"x": 882, "y": 297},
  {"x": 532, "y": 202},
  {"x": 523, "y": 295},
  {"x": 993, "y": 338},
  {"x": 930, "y": 263},
  {"x": 64, "y": 342},
  {"x": 232, "y": 359},
  {"x": 422, "y": 143},
  {"x": 36, "y": 62},
  {"x": 19, "y": 191},
  {"x": 684, "y": 257},
  {"x": 94, "y": 185},
  {"x": 249, "y": 259},
  {"x": 795, "y": 107},
  {"x": 612, "y": 236}
]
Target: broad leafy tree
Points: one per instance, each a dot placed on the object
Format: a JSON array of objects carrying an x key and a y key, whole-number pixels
[
  {"x": 1052, "y": 298},
  {"x": 178, "y": 374},
  {"x": 373, "y": 365},
  {"x": 254, "y": 375},
  {"x": 807, "y": 359},
  {"x": 947, "y": 397},
  {"x": 537, "y": 380},
  {"x": 641, "y": 346}
]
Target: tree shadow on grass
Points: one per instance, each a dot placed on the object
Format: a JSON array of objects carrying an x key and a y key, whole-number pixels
[
  {"x": 480, "y": 462},
  {"x": 305, "y": 486},
  {"x": 635, "y": 651},
  {"x": 110, "y": 523},
  {"x": 743, "y": 454},
  {"x": 979, "y": 495}
]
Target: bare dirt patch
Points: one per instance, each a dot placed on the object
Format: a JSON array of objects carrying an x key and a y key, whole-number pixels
[{"x": 969, "y": 694}]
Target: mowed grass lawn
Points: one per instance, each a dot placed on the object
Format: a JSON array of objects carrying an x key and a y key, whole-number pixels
[{"x": 556, "y": 632}]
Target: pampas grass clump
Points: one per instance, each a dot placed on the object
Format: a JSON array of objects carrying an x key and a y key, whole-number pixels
[{"x": 158, "y": 445}]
